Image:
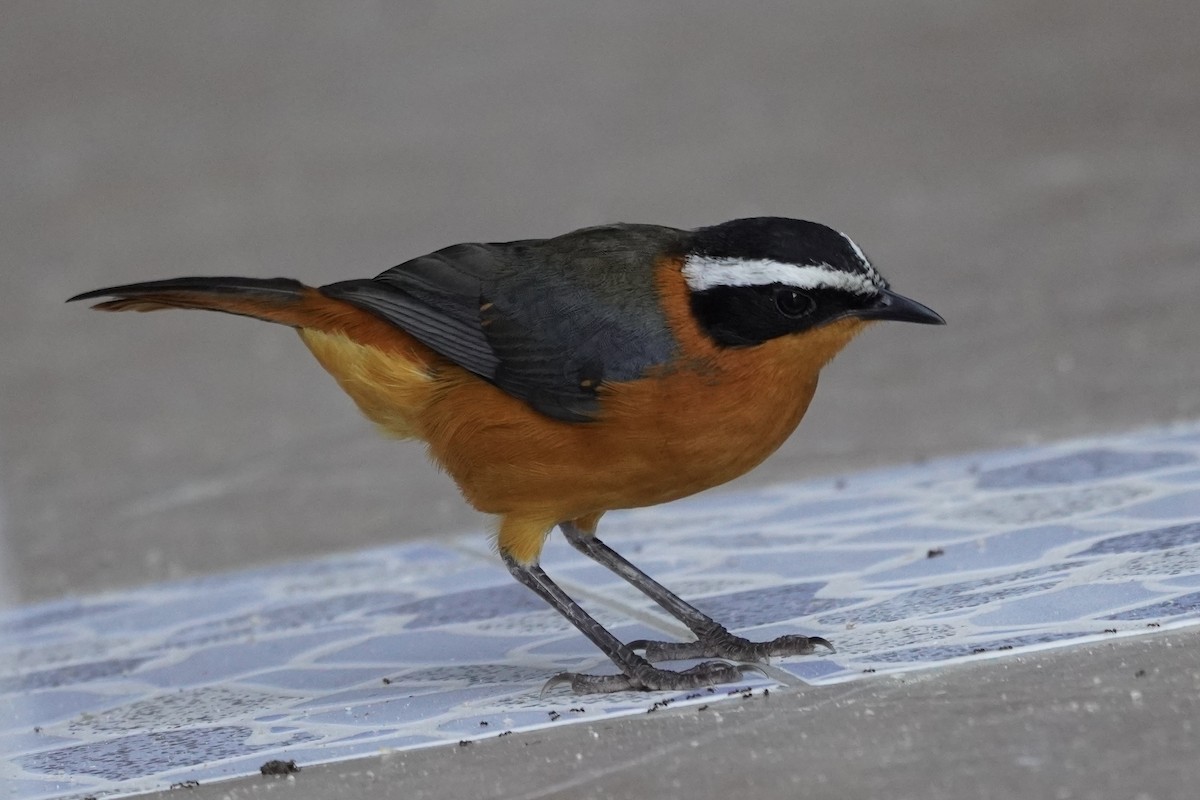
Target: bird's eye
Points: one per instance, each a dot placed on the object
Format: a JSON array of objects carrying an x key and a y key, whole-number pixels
[{"x": 792, "y": 302}]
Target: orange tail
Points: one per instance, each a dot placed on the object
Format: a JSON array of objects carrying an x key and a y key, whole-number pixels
[{"x": 281, "y": 300}]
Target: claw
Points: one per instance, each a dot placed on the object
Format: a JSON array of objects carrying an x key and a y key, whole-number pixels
[
  {"x": 562, "y": 677},
  {"x": 823, "y": 642},
  {"x": 745, "y": 668}
]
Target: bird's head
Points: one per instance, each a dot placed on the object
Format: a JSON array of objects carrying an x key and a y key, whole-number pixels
[{"x": 753, "y": 280}]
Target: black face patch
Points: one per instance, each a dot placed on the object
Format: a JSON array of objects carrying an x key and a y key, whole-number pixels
[{"x": 742, "y": 316}]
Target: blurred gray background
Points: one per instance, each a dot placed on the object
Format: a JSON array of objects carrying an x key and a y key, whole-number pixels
[{"x": 1029, "y": 169}]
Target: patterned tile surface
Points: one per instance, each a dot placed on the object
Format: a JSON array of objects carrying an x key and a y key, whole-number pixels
[{"x": 903, "y": 569}]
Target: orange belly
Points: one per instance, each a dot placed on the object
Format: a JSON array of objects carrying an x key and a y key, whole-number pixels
[{"x": 656, "y": 439}]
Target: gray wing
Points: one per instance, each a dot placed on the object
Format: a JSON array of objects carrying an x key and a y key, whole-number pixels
[{"x": 546, "y": 320}]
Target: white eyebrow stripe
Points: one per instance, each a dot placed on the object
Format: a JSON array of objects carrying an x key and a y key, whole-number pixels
[
  {"x": 863, "y": 258},
  {"x": 703, "y": 272}
]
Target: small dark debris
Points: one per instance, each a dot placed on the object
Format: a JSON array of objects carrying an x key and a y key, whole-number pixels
[
  {"x": 185, "y": 785},
  {"x": 578, "y": 710},
  {"x": 554, "y": 715},
  {"x": 37, "y": 728},
  {"x": 979, "y": 650},
  {"x": 464, "y": 743},
  {"x": 659, "y": 704},
  {"x": 711, "y": 690},
  {"x": 692, "y": 696},
  {"x": 1141, "y": 673},
  {"x": 278, "y": 767},
  {"x": 869, "y": 670},
  {"x": 1153, "y": 625},
  {"x": 1005, "y": 647},
  {"x": 746, "y": 695},
  {"x": 766, "y": 692},
  {"x": 387, "y": 681},
  {"x": 506, "y": 733},
  {"x": 483, "y": 723},
  {"x": 703, "y": 707},
  {"x": 934, "y": 552},
  {"x": 1110, "y": 630}
]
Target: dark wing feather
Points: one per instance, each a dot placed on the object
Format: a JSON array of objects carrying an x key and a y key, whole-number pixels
[
  {"x": 435, "y": 298},
  {"x": 545, "y": 320}
]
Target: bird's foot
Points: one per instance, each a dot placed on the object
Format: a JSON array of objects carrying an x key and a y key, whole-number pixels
[
  {"x": 724, "y": 644},
  {"x": 648, "y": 678}
]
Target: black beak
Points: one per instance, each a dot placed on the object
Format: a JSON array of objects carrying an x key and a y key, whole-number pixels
[{"x": 898, "y": 307}]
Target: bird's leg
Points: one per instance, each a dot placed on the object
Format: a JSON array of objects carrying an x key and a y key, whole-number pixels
[
  {"x": 636, "y": 672},
  {"x": 712, "y": 639}
]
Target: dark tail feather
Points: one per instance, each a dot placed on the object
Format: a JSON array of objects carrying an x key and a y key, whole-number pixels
[{"x": 281, "y": 300}]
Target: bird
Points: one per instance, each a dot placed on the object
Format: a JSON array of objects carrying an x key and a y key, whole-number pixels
[{"x": 612, "y": 367}]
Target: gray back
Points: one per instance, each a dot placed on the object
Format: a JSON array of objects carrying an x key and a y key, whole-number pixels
[{"x": 546, "y": 320}]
